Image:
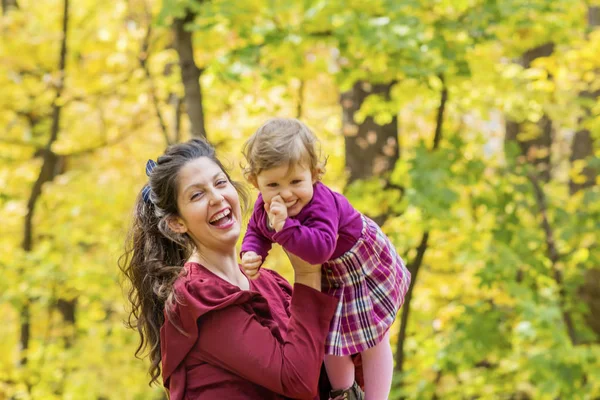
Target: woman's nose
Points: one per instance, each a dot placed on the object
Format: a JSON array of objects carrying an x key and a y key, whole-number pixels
[{"x": 215, "y": 198}]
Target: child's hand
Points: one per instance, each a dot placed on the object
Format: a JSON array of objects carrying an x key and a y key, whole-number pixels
[
  {"x": 277, "y": 213},
  {"x": 251, "y": 262}
]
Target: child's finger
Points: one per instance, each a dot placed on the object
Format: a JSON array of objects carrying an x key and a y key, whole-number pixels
[
  {"x": 279, "y": 207},
  {"x": 252, "y": 274},
  {"x": 255, "y": 276},
  {"x": 277, "y": 199},
  {"x": 253, "y": 264}
]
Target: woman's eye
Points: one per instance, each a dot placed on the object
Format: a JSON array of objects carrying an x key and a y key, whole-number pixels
[
  {"x": 196, "y": 195},
  {"x": 221, "y": 182}
]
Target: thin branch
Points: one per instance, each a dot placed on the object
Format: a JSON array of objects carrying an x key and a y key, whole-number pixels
[
  {"x": 47, "y": 173},
  {"x": 440, "y": 114},
  {"x": 177, "y": 123},
  {"x": 389, "y": 185},
  {"x": 320, "y": 34},
  {"x": 413, "y": 268},
  {"x": 24, "y": 333},
  {"x": 436, "y": 382},
  {"x": 143, "y": 58},
  {"x": 415, "y": 264},
  {"x": 554, "y": 256},
  {"x": 300, "y": 100},
  {"x": 50, "y": 159}
]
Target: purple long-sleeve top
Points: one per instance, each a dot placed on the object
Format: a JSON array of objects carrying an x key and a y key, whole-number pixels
[{"x": 326, "y": 228}]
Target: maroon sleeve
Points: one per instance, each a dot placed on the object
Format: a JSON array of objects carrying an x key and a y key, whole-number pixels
[{"x": 290, "y": 368}]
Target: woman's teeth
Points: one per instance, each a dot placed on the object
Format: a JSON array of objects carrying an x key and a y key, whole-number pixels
[{"x": 222, "y": 214}]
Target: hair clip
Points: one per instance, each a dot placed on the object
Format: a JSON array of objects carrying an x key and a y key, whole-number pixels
[{"x": 150, "y": 165}]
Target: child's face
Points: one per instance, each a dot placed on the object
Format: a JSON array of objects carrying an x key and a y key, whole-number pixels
[{"x": 293, "y": 183}]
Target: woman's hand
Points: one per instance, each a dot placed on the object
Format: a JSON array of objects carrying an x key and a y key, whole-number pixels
[{"x": 305, "y": 273}]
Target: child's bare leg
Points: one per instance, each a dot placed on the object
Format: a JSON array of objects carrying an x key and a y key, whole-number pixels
[
  {"x": 378, "y": 368},
  {"x": 340, "y": 371}
]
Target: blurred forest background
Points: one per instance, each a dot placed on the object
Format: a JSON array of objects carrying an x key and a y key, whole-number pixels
[{"x": 469, "y": 129}]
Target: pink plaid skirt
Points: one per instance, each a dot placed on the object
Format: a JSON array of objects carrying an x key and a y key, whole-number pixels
[{"x": 371, "y": 281}]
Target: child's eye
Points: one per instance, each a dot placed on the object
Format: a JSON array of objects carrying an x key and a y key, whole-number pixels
[
  {"x": 221, "y": 182},
  {"x": 296, "y": 181},
  {"x": 272, "y": 185}
]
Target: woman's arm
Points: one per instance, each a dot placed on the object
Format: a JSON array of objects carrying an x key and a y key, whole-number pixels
[
  {"x": 235, "y": 339},
  {"x": 305, "y": 273}
]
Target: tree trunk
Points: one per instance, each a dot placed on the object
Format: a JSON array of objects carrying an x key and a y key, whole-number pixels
[
  {"x": 583, "y": 145},
  {"x": 534, "y": 139},
  {"x": 589, "y": 293},
  {"x": 190, "y": 75},
  {"x": 67, "y": 309},
  {"x": 581, "y": 149},
  {"x": 371, "y": 149},
  {"x": 50, "y": 166}
]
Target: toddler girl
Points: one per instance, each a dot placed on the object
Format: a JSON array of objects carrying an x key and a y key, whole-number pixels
[{"x": 360, "y": 265}]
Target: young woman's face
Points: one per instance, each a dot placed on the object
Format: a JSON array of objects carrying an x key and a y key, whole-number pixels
[
  {"x": 293, "y": 183},
  {"x": 209, "y": 206}
]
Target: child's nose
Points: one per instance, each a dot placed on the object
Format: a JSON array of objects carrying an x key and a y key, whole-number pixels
[{"x": 286, "y": 194}]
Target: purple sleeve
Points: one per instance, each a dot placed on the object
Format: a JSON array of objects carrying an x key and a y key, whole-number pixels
[
  {"x": 314, "y": 239},
  {"x": 254, "y": 240}
]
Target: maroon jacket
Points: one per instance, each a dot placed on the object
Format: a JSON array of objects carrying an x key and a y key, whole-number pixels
[{"x": 262, "y": 343}]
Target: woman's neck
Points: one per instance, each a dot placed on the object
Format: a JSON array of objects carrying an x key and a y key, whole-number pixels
[{"x": 224, "y": 265}]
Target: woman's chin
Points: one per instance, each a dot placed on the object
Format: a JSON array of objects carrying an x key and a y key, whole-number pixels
[{"x": 232, "y": 236}]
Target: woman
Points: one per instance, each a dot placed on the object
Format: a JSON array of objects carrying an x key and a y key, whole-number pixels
[{"x": 214, "y": 333}]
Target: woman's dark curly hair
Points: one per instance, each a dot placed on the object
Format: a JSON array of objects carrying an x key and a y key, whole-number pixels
[{"x": 154, "y": 255}]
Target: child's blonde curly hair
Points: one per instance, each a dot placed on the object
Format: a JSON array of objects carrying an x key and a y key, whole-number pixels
[{"x": 281, "y": 141}]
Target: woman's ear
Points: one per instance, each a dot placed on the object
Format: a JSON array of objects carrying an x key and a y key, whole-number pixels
[{"x": 176, "y": 224}]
